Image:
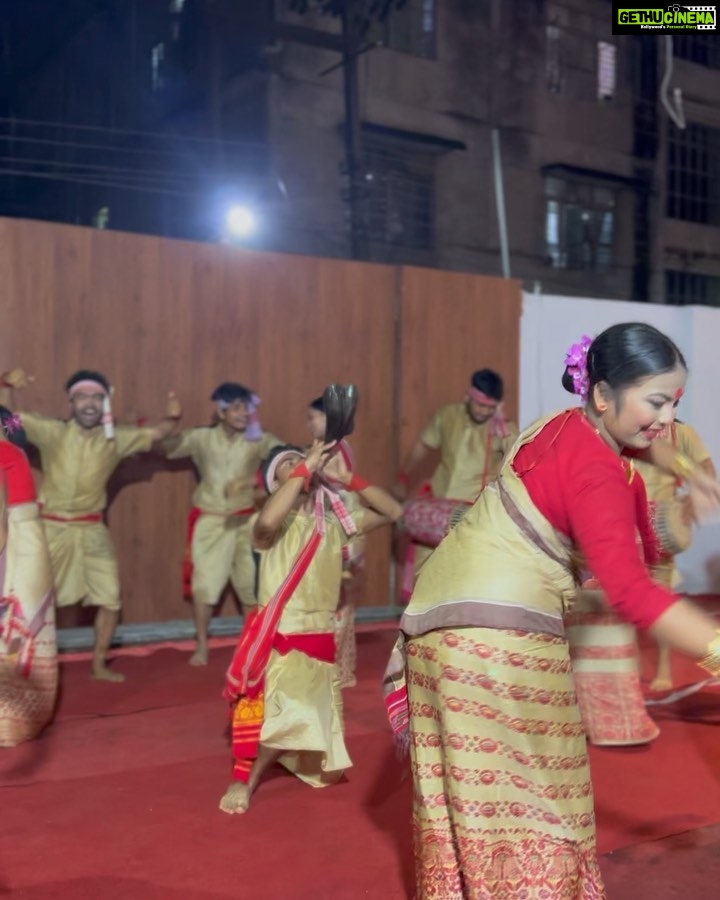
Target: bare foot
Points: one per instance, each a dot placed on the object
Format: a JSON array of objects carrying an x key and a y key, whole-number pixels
[
  {"x": 661, "y": 683},
  {"x": 236, "y": 799},
  {"x": 199, "y": 657},
  {"x": 101, "y": 673}
]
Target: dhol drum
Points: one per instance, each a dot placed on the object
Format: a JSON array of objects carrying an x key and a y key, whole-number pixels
[
  {"x": 427, "y": 520},
  {"x": 673, "y": 525}
]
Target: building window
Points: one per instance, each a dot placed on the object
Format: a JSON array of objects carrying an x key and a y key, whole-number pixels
[
  {"x": 157, "y": 58},
  {"x": 703, "y": 49},
  {"x": 693, "y": 174},
  {"x": 553, "y": 73},
  {"x": 176, "y": 10},
  {"x": 579, "y": 225},
  {"x": 410, "y": 29},
  {"x": 400, "y": 195},
  {"x": 691, "y": 289},
  {"x": 606, "y": 70}
]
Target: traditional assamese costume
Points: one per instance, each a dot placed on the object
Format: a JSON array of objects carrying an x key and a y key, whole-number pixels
[
  {"x": 663, "y": 491},
  {"x": 471, "y": 454},
  {"x": 606, "y": 669},
  {"x": 603, "y": 647},
  {"x": 351, "y": 583},
  {"x": 28, "y": 654},
  {"x": 283, "y": 682},
  {"x": 77, "y": 464},
  {"x": 219, "y": 546},
  {"x": 481, "y": 681}
]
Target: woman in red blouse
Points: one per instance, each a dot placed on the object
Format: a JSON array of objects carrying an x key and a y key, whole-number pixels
[{"x": 480, "y": 682}]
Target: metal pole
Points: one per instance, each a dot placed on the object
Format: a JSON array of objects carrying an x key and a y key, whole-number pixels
[
  {"x": 500, "y": 203},
  {"x": 352, "y": 130}
]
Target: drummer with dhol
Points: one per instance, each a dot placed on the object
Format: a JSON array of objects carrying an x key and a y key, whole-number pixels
[{"x": 473, "y": 437}]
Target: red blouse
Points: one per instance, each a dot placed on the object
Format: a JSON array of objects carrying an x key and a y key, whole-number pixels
[
  {"x": 16, "y": 474},
  {"x": 589, "y": 493}
]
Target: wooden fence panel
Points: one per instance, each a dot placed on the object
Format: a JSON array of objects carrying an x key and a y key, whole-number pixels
[
  {"x": 450, "y": 325},
  {"x": 157, "y": 315}
]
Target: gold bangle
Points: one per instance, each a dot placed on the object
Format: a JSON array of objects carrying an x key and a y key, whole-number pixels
[
  {"x": 711, "y": 661},
  {"x": 684, "y": 466}
]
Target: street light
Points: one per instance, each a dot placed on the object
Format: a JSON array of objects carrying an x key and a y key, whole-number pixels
[{"x": 241, "y": 222}]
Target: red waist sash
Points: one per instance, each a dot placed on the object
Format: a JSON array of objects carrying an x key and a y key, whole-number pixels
[
  {"x": 321, "y": 646},
  {"x": 246, "y": 674},
  {"x": 245, "y": 679},
  {"x": 89, "y": 517},
  {"x": 249, "y": 712}
]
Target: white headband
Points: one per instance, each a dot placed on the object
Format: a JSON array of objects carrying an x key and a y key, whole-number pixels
[
  {"x": 97, "y": 387},
  {"x": 275, "y": 462},
  {"x": 89, "y": 384}
]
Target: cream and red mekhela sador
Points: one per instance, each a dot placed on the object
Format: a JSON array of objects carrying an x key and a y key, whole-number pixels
[
  {"x": 283, "y": 683},
  {"x": 481, "y": 673},
  {"x": 352, "y": 582},
  {"x": 28, "y": 654}
]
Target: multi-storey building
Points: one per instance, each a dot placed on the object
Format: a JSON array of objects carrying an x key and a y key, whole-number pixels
[{"x": 393, "y": 145}]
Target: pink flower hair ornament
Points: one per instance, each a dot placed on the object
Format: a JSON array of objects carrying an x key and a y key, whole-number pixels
[
  {"x": 576, "y": 363},
  {"x": 12, "y": 424}
]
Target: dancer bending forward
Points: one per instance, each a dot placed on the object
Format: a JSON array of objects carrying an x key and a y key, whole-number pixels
[{"x": 480, "y": 683}]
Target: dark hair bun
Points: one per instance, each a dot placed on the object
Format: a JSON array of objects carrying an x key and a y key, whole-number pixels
[
  {"x": 567, "y": 381},
  {"x": 624, "y": 354},
  {"x": 11, "y": 424}
]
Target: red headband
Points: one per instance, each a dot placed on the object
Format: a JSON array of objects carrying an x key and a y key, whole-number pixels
[
  {"x": 498, "y": 423},
  {"x": 480, "y": 397}
]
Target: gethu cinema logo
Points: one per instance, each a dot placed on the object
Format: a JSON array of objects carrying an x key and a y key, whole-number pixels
[{"x": 678, "y": 16}]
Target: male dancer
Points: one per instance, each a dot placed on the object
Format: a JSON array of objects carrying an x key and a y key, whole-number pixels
[
  {"x": 78, "y": 457},
  {"x": 662, "y": 489},
  {"x": 227, "y": 456},
  {"x": 472, "y": 437}
]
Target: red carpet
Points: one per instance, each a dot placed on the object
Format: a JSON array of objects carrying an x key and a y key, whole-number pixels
[{"x": 119, "y": 798}]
